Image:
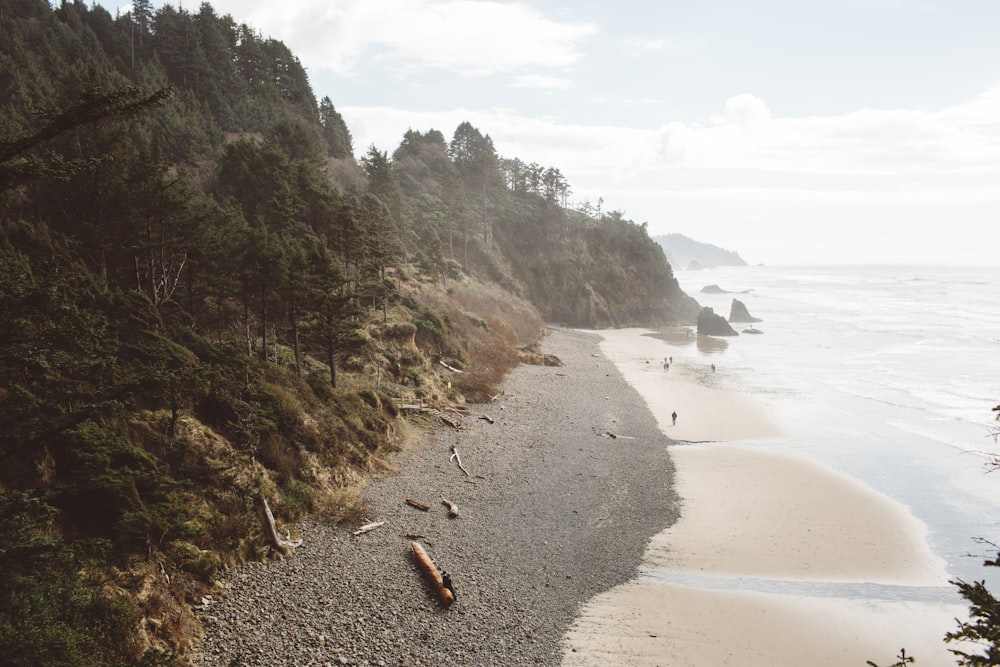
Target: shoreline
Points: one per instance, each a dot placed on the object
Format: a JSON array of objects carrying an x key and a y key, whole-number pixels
[{"x": 749, "y": 513}]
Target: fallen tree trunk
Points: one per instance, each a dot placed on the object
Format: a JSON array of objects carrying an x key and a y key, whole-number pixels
[{"x": 440, "y": 581}]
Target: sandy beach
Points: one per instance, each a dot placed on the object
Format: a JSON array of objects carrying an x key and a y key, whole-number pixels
[{"x": 775, "y": 520}]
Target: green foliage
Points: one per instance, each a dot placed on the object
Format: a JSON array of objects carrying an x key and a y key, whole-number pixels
[
  {"x": 983, "y": 628},
  {"x": 901, "y": 660},
  {"x": 52, "y": 612}
]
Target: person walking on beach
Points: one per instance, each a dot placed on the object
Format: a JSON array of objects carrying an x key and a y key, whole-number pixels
[{"x": 673, "y": 416}]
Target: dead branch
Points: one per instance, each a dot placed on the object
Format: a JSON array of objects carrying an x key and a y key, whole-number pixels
[
  {"x": 368, "y": 527},
  {"x": 452, "y": 508},
  {"x": 440, "y": 581},
  {"x": 487, "y": 418},
  {"x": 456, "y": 458},
  {"x": 418, "y": 505},
  {"x": 271, "y": 534}
]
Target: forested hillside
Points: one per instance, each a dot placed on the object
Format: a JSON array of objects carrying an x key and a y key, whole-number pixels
[{"x": 206, "y": 303}]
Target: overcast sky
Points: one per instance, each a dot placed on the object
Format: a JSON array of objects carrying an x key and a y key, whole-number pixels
[{"x": 853, "y": 131}]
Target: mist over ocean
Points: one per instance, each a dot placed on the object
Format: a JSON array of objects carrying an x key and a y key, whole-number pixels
[{"x": 888, "y": 374}]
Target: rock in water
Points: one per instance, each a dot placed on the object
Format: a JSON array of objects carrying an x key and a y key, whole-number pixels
[
  {"x": 738, "y": 313},
  {"x": 710, "y": 324}
]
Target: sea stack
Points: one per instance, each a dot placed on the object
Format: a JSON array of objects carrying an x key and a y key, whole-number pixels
[
  {"x": 710, "y": 324},
  {"x": 738, "y": 313}
]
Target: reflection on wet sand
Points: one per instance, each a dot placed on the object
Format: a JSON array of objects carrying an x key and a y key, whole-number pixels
[{"x": 684, "y": 336}]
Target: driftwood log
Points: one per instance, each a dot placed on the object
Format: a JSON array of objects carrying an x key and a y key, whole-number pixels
[
  {"x": 452, "y": 508},
  {"x": 439, "y": 581},
  {"x": 415, "y": 503},
  {"x": 368, "y": 527},
  {"x": 282, "y": 543}
]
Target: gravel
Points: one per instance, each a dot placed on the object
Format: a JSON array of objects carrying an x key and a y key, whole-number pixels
[{"x": 553, "y": 512}]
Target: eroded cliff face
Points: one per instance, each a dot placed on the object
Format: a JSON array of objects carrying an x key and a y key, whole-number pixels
[{"x": 592, "y": 307}]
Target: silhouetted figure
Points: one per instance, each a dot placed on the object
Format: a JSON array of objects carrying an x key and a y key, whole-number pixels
[{"x": 673, "y": 416}]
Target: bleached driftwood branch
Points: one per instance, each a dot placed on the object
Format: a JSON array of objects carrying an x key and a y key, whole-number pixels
[
  {"x": 368, "y": 527},
  {"x": 455, "y": 457},
  {"x": 274, "y": 538}
]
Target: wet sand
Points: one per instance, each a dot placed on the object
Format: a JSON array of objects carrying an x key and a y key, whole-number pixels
[{"x": 753, "y": 523}]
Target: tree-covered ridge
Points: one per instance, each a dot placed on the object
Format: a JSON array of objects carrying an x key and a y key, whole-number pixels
[{"x": 205, "y": 300}]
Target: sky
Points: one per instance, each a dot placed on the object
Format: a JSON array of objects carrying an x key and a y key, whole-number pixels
[{"x": 791, "y": 132}]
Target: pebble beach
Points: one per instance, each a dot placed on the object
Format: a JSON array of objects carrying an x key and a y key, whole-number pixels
[{"x": 553, "y": 511}]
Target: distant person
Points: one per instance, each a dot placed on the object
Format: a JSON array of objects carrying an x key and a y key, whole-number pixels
[
  {"x": 673, "y": 416},
  {"x": 713, "y": 368}
]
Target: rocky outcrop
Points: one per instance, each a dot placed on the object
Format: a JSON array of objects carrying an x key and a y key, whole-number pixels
[
  {"x": 738, "y": 313},
  {"x": 712, "y": 289},
  {"x": 710, "y": 324}
]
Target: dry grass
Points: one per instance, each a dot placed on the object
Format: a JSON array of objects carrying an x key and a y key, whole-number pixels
[{"x": 494, "y": 325}]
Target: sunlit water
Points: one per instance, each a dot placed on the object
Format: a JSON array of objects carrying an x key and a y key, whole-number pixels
[{"x": 888, "y": 374}]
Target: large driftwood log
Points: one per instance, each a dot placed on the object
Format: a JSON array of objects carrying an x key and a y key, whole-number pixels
[
  {"x": 440, "y": 581},
  {"x": 271, "y": 534}
]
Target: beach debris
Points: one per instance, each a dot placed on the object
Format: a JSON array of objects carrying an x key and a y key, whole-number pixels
[
  {"x": 440, "y": 581},
  {"x": 487, "y": 418},
  {"x": 615, "y": 436},
  {"x": 368, "y": 527},
  {"x": 417, "y": 504},
  {"x": 448, "y": 414},
  {"x": 282, "y": 543},
  {"x": 452, "y": 508},
  {"x": 455, "y": 457}
]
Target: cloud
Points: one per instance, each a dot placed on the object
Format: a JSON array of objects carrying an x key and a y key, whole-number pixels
[
  {"x": 743, "y": 136},
  {"x": 540, "y": 81},
  {"x": 467, "y": 37},
  {"x": 745, "y": 110},
  {"x": 637, "y": 46}
]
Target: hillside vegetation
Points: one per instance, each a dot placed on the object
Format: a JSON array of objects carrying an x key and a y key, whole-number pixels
[{"x": 206, "y": 302}]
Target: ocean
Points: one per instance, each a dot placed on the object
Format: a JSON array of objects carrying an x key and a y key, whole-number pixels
[{"x": 886, "y": 373}]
